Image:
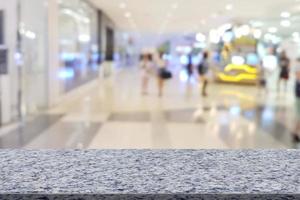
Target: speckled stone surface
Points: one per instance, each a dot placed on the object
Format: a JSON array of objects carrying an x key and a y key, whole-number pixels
[{"x": 143, "y": 172}]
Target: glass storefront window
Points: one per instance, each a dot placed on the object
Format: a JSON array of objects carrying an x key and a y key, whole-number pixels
[
  {"x": 78, "y": 43},
  {"x": 32, "y": 55}
]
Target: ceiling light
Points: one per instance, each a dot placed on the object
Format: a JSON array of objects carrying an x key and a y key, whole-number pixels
[
  {"x": 200, "y": 37},
  {"x": 296, "y": 37},
  {"x": 257, "y": 34},
  {"x": 297, "y": 40},
  {"x": 214, "y": 36},
  {"x": 273, "y": 30},
  {"x": 30, "y": 35},
  {"x": 127, "y": 14},
  {"x": 123, "y": 5},
  {"x": 285, "y": 14},
  {"x": 229, "y": 7},
  {"x": 268, "y": 36},
  {"x": 285, "y": 23},
  {"x": 228, "y": 37},
  {"x": 242, "y": 31},
  {"x": 75, "y": 15},
  {"x": 273, "y": 38},
  {"x": 203, "y": 21},
  {"x": 84, "y": 38},
  {"x": 257, "y": 24},
  {"x": 175, "y": 6},
  {"x": 296, "y": 34},
  {"x": 225, "y": 27}
]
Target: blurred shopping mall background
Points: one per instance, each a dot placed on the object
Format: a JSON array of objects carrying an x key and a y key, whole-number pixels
[{"x": 71, "y": 74}]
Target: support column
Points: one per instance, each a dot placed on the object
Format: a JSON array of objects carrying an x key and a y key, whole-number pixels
[
  {"x": 53, "y": 55},
  {"x": 5, "y": 99}
]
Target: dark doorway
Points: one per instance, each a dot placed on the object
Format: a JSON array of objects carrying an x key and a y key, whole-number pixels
[
  {"x": 109, "y": 44},
  {"x": 99, "y": 15},
  {"x": 1, "y": 27}
]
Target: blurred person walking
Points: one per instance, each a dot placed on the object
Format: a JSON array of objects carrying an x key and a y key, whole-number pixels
[
  {"x": 146, "y": 65},
  {"x": 269, "y": 65},
  {"x": 284, "y": 64},
  {"x": 163, "y": 74},
  {"x": 203, "y": 71},
  {"x": 189, "y": 67}
]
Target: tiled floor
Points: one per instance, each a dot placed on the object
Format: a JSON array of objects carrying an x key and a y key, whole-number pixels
[{"x": 113, "y": 114}]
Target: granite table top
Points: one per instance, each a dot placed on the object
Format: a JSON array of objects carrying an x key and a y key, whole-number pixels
[{"x": 149, "y": 172}]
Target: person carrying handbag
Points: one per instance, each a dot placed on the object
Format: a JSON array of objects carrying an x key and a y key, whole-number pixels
[{"x": 203, "y": 68}]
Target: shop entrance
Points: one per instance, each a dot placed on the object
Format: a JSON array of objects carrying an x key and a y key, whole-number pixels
[
  {"x": 1, "y": 27},
  {"x": 109, "y": 44}
]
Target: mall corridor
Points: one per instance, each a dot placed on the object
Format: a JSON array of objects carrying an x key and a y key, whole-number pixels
[
  {"x": 71, "y": 74},
  {"x": 112, "y": 114}
]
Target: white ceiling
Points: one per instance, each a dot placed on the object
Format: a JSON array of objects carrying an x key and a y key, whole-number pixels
[{"x": 162, "y": 16}]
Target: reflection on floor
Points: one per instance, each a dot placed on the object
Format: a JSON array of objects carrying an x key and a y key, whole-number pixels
[
  {"x": 113, "y": 114},
  {"x": 27, "y": 131}
]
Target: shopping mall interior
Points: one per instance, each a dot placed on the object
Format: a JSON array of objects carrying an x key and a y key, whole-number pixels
[{"x": 159, "y": 74}]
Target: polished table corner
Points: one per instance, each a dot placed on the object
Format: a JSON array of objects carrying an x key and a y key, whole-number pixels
[{"x": 149, "y": 174}]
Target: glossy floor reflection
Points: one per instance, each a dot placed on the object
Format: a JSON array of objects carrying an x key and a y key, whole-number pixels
[{"x": 111, "y": 113}]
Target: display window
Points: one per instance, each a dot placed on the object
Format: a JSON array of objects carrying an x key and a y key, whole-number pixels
[
  {"x": 77, "y": 44},
  {"x": 31, "y": 56}
]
